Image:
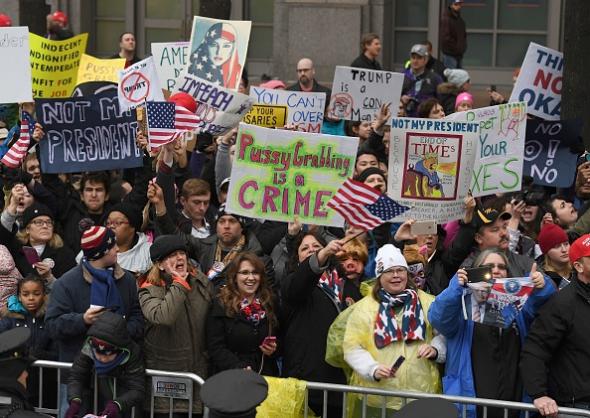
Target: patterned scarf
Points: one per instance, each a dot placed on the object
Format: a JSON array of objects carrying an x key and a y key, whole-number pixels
[
  {"x": 332, "y": 284},
  {"x": 253, "y": 312},
  {"x": 413, "y": 324},
  {"x": 233, "y": 252}
]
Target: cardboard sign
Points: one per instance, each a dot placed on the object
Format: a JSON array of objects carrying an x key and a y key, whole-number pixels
[
  {"x": 430, "y": 166},
  {"x": 539, "y": 82},
  {"x": 267, "y": 116},
  {"x": 96, "y": 69},
  {"x": 54, "y": 65},
  {"x": 304, "y": 110},
  {"x": 219, "y": 109},
  {"x": 358, "y": 93},
  {"x": 547, "y": 155},
  {"x": 15, "y": 71},
  {"x": 218, "y": 50},
  {"x": 499, "y": 149},
  {"x": 171, "y": 58},
  {"x": 87, "y": 134},
  {"x": 279, "y": 174},
  {"x": 139, "y": 83}
]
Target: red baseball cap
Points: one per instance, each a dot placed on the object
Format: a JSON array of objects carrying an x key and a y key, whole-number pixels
[
  {"x": 60, "y": 17},
  {"x": 580, "y": 248},
  {"x": 185, "y": 100},
  {"x": 5, "y": 21}
]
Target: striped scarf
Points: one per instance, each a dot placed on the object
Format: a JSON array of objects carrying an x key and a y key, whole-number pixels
[
  {"x": 413, "y": 324},
  {"x": 331, "y": 283},
  {"x": 252, "y": 311}
]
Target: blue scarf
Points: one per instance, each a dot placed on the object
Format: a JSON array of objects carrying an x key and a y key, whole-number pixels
[
  {"x": 15, "y": 306},
  {"x": 103, "y": 289},
  {"x": 103, "y": 368}
]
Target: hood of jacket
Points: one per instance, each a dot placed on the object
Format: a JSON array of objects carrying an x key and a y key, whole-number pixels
[
  {"x": 447, "y": 88},
  {"x": 112, "y": 328},
  {"x": 6, "y": 313}
]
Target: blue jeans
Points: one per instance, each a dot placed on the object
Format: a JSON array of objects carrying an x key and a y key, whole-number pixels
[{"x": 450, "y": 61}]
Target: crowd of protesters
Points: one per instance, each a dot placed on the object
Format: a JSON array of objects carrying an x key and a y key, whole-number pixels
[{"x": 125, "y": 270}]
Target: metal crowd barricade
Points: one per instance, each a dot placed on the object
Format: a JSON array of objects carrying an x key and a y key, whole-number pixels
[
  {"x": 171, "y": 385},
  {"x": 507, "y": 406}
]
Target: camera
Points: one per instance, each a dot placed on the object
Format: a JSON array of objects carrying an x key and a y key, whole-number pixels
[
  {"x": 531, "y": 197},
  {"x": 411, "y": 106}
]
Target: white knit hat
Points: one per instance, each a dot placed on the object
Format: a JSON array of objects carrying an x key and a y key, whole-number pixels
[
  {"x": 457, "y": 76},
  {"x": 388, "y": 256}
]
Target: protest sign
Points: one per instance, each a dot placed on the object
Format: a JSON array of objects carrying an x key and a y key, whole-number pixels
[
  {"x": 218, "y": 50},
  {"x": 279, "y": 174},
  {"x": 430, "y": 165},
  {"x": 357, "y": 93},
  {"x": 87, "y": 134},
  {"x": 539, "y": 82},
  {"x": 267, "y": 116},
  {"x": 219, "y": 109},
  {"x": 96, "y": 69},
  {"x": 548, "y": 158},
  {"x": 54, "y": 65},
  {"x": 497, "y": 302},
  {"x": 15, "y": 71},
  {"x": 304, "y": 110},
  {"x": 171, "y": 58},
  {"x": 139, "y": 83},
  {"x": 499, "y": 149}
]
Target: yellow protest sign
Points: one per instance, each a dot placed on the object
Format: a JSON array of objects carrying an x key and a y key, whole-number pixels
[
  {"x": 268, "y": 116},
  {"x": 54, "y": 65},
  {"x": 96, "y": 69}
]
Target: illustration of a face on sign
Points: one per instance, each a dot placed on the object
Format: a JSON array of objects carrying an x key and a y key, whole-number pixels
[
  {"x": 340, "y": 106},
  {"x": 216, "y": 58}
]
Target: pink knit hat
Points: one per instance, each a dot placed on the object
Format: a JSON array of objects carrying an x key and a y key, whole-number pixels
[
  {"x": 463, "y": 97},
  {"x": 273, "y": 84}
]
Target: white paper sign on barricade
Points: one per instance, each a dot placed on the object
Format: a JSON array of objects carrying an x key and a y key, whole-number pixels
[
  {"x": 139, "y": 83},
  {"x": 171, "y": 58},
  {"x": 499, "y": 149},
  {"x": 304, "y": 110},
  {"x": 15, "y": 71},
  {"x": 430, "y": 165},
  {"x": 539, "y": 82},
  {"x": 219, "y": 109},
  {"x": 279, "y": 174},
  {"x": 358, "y": 93}
]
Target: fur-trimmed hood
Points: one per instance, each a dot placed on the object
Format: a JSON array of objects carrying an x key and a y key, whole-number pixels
[
  {"x": 6, "y": 313},
  {"x": 447, "y": 88}
]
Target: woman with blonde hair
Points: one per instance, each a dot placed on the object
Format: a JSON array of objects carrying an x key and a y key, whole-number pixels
[
  {"x": 37, "y": 247},
  {"x": 242, "y": 326}
]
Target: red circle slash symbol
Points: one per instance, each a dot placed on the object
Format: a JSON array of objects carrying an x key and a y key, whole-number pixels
[{"x": 135, "y": 87}]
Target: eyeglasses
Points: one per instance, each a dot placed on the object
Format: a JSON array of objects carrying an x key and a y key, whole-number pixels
[
  {"x": 396, "y": 271},
  {"x": 39, "y": 222},
  {"x": 499, "y": 266},
  {"x": 302, "y": 70},
  {"x": 115, "y": 224},
  {"x": 247, "y": 273}
]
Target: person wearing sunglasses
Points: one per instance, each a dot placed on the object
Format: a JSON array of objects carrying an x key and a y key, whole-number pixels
[
  {"x": 109, "y": 352},
  {"x": 482, "y": 360}
]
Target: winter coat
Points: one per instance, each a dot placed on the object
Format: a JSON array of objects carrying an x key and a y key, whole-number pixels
[
  {"x": 234, "y": 342},
  {"x": 446, "y": 315},
  {"x": 363, "y": 62},
  {"x": 70, "y": 298},
  {"x": 129, "y": 375},
  {"x": 17, "y": 404},
  {"x": 415, "y": 374},
  {"x": 453, "y": 35},
  {"x": 175, "y": 330},
  {"x": 427, "y": 82},
  {"x": 9, "y": 276},
  {"x": 554, "y": 359},
  {"x": 136, "y": 259},
  {"x": 447, "y": 95}
]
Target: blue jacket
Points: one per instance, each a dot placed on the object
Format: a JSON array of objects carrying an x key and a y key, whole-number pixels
[
  {"x": 70, "y": 298},
  {"x": 446, "y": 316}
]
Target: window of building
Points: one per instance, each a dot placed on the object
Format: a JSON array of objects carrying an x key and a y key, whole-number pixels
[{"x": 411, "y": 27}]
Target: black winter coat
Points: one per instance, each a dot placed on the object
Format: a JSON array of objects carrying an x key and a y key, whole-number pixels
[
  {"x": 233, "y": 343},
  {"x": 453, "y": 35}
]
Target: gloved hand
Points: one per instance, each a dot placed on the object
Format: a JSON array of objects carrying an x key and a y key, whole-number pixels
[
  {"x": 111, "y": 410},
  {"x": 74, "y": 409}
]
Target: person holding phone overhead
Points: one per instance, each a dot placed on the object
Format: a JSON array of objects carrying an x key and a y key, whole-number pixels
[
  {"x": 242, "y": 324},
  {"x": 37, "y": 247},
  {"x": 482, "y": 360},
  {"x": 386, "y": 326}
]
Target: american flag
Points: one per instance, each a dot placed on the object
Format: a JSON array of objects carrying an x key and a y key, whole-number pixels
[
  {"x": 18, "y": 151},
  {"x": 168, "y": 121},
  {"x": 363, "y": 206}
]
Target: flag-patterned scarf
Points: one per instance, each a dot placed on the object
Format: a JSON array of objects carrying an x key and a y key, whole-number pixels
[
  {"x": 413, "y": 324},
  {"x": 331, "y": 283},
  {"x": 253, "y": 312},
  {"x": 18, "y": 151}
]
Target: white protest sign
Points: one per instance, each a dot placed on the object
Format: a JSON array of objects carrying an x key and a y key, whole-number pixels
[
  {"x": 15, "y": 71},
  {"x": 219, "y": 109},
  {"x": 171, "y": 58},
  {"x": 357, "y": 93},
  {"x": 430, "y": 165},
  {"x": 539, "y": 82},
  {"x": 279, "y": 174},
  {"x": 304, "y": 110},
  {"x": 499, "y": 149},
  {"x": 139, "y": 83}
]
